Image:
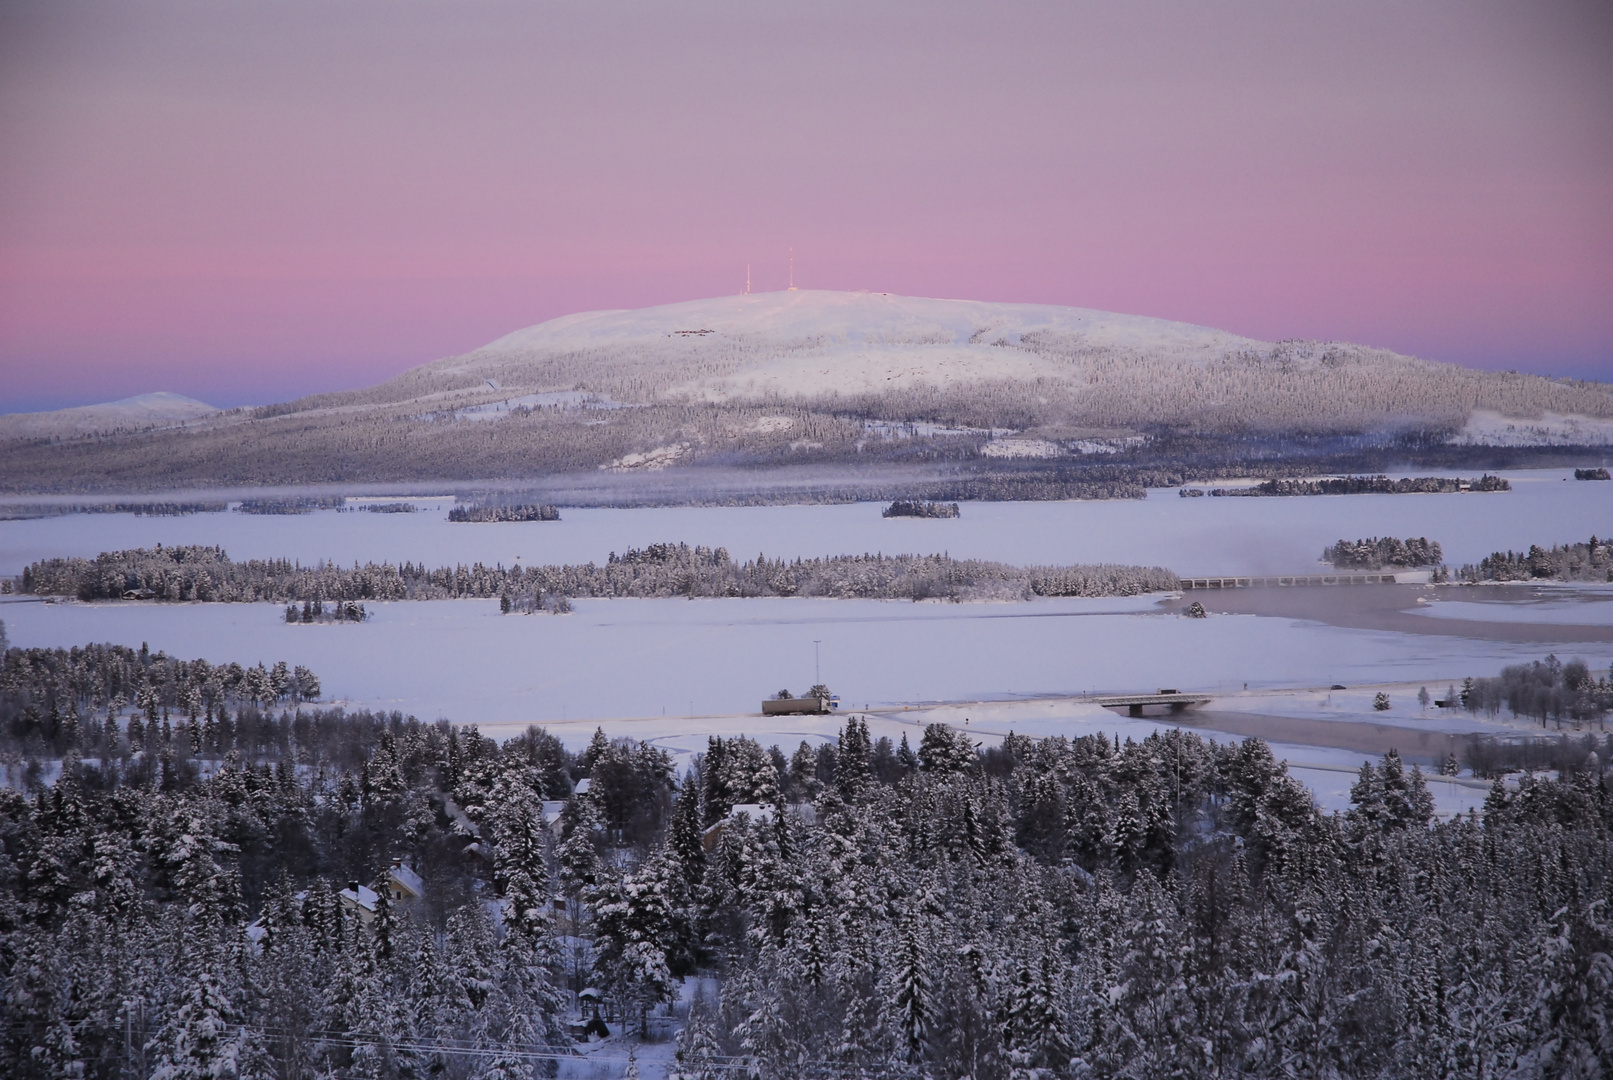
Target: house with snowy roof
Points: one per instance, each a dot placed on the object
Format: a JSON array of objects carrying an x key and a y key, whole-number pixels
[{"x": 403, "y": 885}]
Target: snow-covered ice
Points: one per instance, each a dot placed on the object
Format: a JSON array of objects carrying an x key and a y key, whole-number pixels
[
  {"x": 1578, "y": 607},
  {"x": 645, "y": 659},
  {"x": 1191, "y": 536}
]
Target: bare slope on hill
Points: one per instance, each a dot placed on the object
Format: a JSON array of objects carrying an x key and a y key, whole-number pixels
[
  {"x": 869, "y": 381},
  {"x": 140, "y": 413}
]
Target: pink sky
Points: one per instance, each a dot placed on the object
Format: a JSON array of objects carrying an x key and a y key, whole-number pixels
[{"x": 250, "y": 201}]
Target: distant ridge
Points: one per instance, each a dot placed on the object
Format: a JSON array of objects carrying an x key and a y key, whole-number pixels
[
  {"x": 985, "y": 400},
  {"x": 161, "y": 408}
]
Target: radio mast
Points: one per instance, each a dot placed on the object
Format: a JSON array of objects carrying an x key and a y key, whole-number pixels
[
  {"x": 792, "y": 270},
  {"x": 747, "y": 280}
]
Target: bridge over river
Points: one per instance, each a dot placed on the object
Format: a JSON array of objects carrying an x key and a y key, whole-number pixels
[
  {"x": 1134, "y": 703},
  {"x": 1233, "y": 581}
]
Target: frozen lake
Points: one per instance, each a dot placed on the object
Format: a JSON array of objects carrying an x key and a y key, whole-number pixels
[
  {"x": 674, "y": 671},
  {"x": 1191, "y": 536},
  {"x": 1574, "y": 606},
  {"x": 626, "y": 659}
]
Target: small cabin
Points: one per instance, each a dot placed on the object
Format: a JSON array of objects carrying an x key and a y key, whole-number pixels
[
  {"x": 360, "y": 900},
  {"x": 403, "y": 883}
]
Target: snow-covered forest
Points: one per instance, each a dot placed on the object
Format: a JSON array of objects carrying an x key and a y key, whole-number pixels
[
  {"x": 103, "y": 700},
  {"x": 1050, "y": 908},
  {"x": 1588, "y": 561},
  {"x": 660, "y": 570},
  {"x": 485, "y": 512},
  {"x": 1380, "y": 551},
  {"x": 920, "y": 509}
]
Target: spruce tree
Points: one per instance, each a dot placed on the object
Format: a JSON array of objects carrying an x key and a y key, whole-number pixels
[{"x": 852, "y": 755}]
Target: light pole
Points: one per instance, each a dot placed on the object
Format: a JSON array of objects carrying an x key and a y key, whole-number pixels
[{"x": 817, "y": 664}]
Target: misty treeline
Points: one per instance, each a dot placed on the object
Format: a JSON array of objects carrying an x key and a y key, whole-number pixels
[
  {"x": 1370, "y": 485},
  {"x": 1380, "y": 551},
  {"x": 24, "y": 511},
  {"x": 495, "y": 512},
  {"x": 1588, "y": 561},
  {"x": 1498, "y": 755},
  {"x": 297, "y": 504},
  {"x": 920, "y": 508},
  {"x": 56, "y": 700},
  {"x": 1543, "y": 690},
  {"x": 660, "y": 570},
  {"x": 1046, "y": 908}
]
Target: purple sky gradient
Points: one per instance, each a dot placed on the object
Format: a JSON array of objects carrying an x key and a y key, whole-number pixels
[{"x": 250, "y": 201}]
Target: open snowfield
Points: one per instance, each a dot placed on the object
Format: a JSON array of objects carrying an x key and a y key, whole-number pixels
[{"x": 1191, "y": 536}]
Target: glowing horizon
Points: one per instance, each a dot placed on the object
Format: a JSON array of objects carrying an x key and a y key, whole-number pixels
[{"x": 252, "y": 203}]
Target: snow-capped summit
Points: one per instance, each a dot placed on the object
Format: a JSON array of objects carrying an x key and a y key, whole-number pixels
[
  {"x": 861, "y": 318},
  {"x": 809, "y": 343}
]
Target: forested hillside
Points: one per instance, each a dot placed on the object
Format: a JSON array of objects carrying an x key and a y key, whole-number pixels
[{"x": 1053, "y": 908}]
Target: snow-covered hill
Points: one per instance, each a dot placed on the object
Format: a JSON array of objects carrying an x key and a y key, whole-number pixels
[
  {"x": 159, "y": 409},
  {"x": 1063, "y": 364},
  {"x": 808, "y": 343},
  {"x": 1021, "y": 400}
]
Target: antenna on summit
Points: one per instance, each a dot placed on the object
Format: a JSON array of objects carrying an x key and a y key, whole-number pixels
[
  {"x": 792, "y": 270},
  {"x": 747, "y": 279}
]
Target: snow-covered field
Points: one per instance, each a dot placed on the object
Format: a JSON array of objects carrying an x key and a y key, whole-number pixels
[{"x": 1190, "y": 536}]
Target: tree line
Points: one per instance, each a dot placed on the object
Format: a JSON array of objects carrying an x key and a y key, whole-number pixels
[
  {"x": 301, "y": 504},
  {"x": 1381, "y": 551},
  {"x": 1369, "y": 485},
  {"x": 920, "y": 508},
  {"x": 659, "y": 570},
  {"x": 495, "y": 512},
  {"x": 1544, "y": 690},
  {"x": 54, "y": 700},
  {"x": 1048, "y": 908},
  {"x": 23, "y": 511},
  {"x": 313, "y": 611},
  {"x": 1591, "y": 560}
]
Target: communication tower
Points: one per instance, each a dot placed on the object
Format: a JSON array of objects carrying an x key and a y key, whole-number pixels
[{"x": 792, "y": 270}]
